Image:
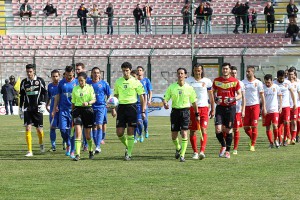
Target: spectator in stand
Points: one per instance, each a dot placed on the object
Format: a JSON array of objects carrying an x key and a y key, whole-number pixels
[
  {"x": 147, "y": 16},
  {"x": 138, "y": 14},
  {"x": 292, "y": 10},
  {"x": 82, "y": 14},
  {"x": 199, "y": 12},
  {"x": 292, "y": 30},
  {"x": 186, "y": 14},
  {"x": 245, "y": 18},
  {"x": 8, "y": 93},
  {"x": 110, "y": 14},
  {"x": 269, "y": 12},
  {"x": 49, "y": 9},
  {"x": 208, "y": 11},
  {"x": 12, "y": 81},
  {"x": 25, "y": 9},
  {"x": 254, "y": 20},
  {"x": 95, "y": 14},
  {"x": 237, "y": 11}
]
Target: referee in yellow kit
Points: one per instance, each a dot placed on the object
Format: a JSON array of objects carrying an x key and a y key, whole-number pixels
[{"x": 182, "y": 96}]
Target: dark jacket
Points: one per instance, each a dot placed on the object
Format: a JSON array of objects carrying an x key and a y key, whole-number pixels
[
  {"x": 49, "y": 8},
  {"x": 292, "y": 29},
  {"x": 292, "y": 10},
  {"x": 144, "y": 10},
  {"x": 8, "y": 92},
  {"x": 271, "y": 11},
  {"x": 237, "y": 10},
  {"x": 254, "y": 18},
  {"x": 208, "y": 14},
  {"x": 82, "y": 12},
  {"x": 198, "y": 13},
  {"x": 138, "y": 13},
  {"x": 22, "y": 8},
  {"x": 110, "y": 12},
  {"x": 244, "y": 9}
]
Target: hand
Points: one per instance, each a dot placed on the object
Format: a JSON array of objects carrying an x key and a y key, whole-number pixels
[
  {"x": 113, "y": 113},
  {"x": 21, "y": 113},
  {"x": 42, "y": 107},
  {"x": 48, "y": 108},
  {"x": 149, "y": 103},
  {"x": 211, "y": 113},
  {"x": 143, "y": 116},
  {"x": 85, "y": 104},
  {"x": 230, "y": 100},
  {"x": 166, "y": 106}
]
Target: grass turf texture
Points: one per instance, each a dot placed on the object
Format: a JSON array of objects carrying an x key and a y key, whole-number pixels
[{"x": 153, "y": 173}]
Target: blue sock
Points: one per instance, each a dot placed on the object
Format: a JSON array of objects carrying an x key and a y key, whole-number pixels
[
  {"x": 52, "y": 137},
  {"x": 72, "y": 140},
  {"x": 64, "y": 134},
  {"x": 140, "y": 127},
  {"x": 95, "y": 136},
  {"x": 103, "y": 135},
  {"x": 68, "y": 137},
  {"x": 99, "y": 137},
  {"x": 145, "y": 123}
]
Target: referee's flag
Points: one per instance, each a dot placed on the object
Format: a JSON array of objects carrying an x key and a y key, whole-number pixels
[{"x": 18, "y": 85}]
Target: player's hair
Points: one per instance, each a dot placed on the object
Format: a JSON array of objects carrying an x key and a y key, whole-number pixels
[
  {"x": 292, "y": 70},
  {"x": 126, "y": 65},
  {"x": 226, "y": 64},
  {"x": 251, "y": 67},
  {"x": 134, "y": 71},
  {"x": 69, "y": 69},
  {"x": 280, "y": 73},
  {"x": 94, "y": 68},
  {"x": 80, "y": 64},
  {"x": 268, "y": 77},
  {"x": 54, "y": 72},
  {"x": 30, "y": 66},
  {"x": 202, "y": 68},
  {"x": 233, "y": 68},
  {"x": 140, "y": 67},
  {"x": 82, "y": 74},
  {"x": 181, "y": 68}
]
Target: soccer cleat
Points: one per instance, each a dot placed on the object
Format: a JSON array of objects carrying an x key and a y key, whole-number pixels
[
  {"x": 181, "y": 159},
  {"x": 285, "y": 143},
  {"x": 135, "y": 141},
  {"x": 77, "y": 157},
  {"x": 271, "y": 146},
  {"x": 195, "y": 156},
  {"x": 277, "y": 145},
  {"x": 252, "y": 148},
  {"x": 177, "y": 153},
  {"x": 141, "y": 138},
  {"x": 91, "y": 155},
  {"x": 29, "y": 154},
  {"x": 222, "y": 151},
  {"x": 227, "y": 154},
  {"x": 42, "y": 148},
  {"x": 201, "y": 156},
  {"x": 97, "y": 150},
  {"x": 146, "y": 134},
  {"x": 234, "y": 152},
  {"x": 72, "y": 155},
  {"x": 67, "y": 151},
  {"x": 126, "y": 152},
  {"x": 293, "y": 141},
  {"x": 102, "y": 142},
  {"x": 53, "y": 148},
  {"x": 297, "y": 139},
  {"x": 127, "y": 158}
]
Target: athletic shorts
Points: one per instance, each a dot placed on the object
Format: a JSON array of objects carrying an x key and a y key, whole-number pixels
[
  {"x": 33, "y": 118},
  {"x": 86, "y": 115},
  {"x": 284, "y": 115},
  {"x": 225, "y": 115},
  {"x": 238, "y": 122},
  {"x": 55, "y": 122},
  {"x": 99, "y": 114},
  {"x": 126, "y": 115},
  {"x": 270, "y": 118},
  {"x": 293, "y": 114},
  {"x": 65, "y": 119},
  {"x": 203, "y": 112},
  {"x": 251, "y": 115},
  {"x": 180, "y": 119}
]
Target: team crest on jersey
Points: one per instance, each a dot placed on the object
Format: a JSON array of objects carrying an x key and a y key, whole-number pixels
[
  {"x": 74, "y": 84},
  {"x": 36, "y": 82},
  {"x": 99, "y": 85},
  {"x": 179, "y": 92},
  {"x": 81, "y": 94},
  {"x": 285, "y": 85},
  {"x": 125, "y": 86}
]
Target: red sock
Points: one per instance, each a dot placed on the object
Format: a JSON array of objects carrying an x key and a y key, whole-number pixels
[
  {"x": 280, "y": 132},
  {"x": 275, "y": 132},
  {"x": 236, "y": 139},
  {"x": 298, "y": 127},
  {"x": 286, "y": 131},
  {"x": 294, "y": 133},
  {"x": 249, "y": 132},
  {"x": 193, "y": 140},
  {"x": 254, "y": 136},
  {"x": 203, "y": 142},
  {"x": 269, "y": 135}
]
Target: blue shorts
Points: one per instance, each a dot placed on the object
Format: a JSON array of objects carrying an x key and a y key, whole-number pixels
[
  {"x": 99, "y": 115},
  {"x": 105, "y": 116},
  {"x": 55, "y": 122},
  {"x": 65, "y": 119}
]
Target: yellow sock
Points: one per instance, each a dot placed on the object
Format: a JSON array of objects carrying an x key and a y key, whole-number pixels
[
  {"x": 41, "y": 136},
  {"x": 28, "y": 140}
]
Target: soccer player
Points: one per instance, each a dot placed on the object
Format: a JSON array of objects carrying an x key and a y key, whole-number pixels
[
  {"x": 182, "y": 95},
  {"x": 83, "y": 97},
  {"x": 202, "y": 87},
  {"x": 52, "y": 91},
  {"x": 240, "y": 112},
  {"x": 32, "y": 105},
  {"x": 293, "y": 105},
  {"x": 148, "y": 94},
  {"x": 63, "y": 101},
  {"x": 284, "y": 117},
  {"x": 273, "y": 96},
  {"x": 227, "y": 91},
  {"x": 254, "y": 92},
  {"x": 126, "y": 90},
  {"x": 102, "y": 90}
]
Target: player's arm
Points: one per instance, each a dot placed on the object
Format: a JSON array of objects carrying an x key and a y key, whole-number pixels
[
  {"x": 48, "y": 101},
  {"x": 56, "y": 101},
  {"x": 293, "y": 98},
  {"x": 280, "y": 103},
  {"x": 166, "y": 98},
  {"x": 149, "y": 97},
  {"x": 196, "y": 108},
  {"x": 212, "y": 103},
  {"x": 263, "y": 102},
  {"x": 22, "y": 95},
  {"x": 243, "y": 103},
  {"x": 143, "y": 104}
]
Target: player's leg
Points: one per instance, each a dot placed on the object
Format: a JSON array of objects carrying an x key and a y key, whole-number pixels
[
  {"x": 77, "y": 121},
  {"x": 193, "y": 135},
  {"x": 254, "y": 124},
  {"x": 247, "y": 122},
  {"x": 139, "y": 128},
  {"x": 88, "y": 121},
  {"x": 53, "y": 126},
  {"x": 175, "y": 128},
  {"x": 267, "y": 124},
  {"x": 131, "y": 116},
  {"x": 298, "y": 126},
  {"x": 236, "y": 132},
  {"x": 99, "y": 118},
  {"x": 145, "y": 123},
  {"x": 203, "y": 111},
  {"x": 37, "y": 120},
  {"x": 184, "y": 126},
  {"x": 104, "y": 126},
  {"x": 28, "y": 136},
  {"x": 120, "y": 127},
  {"x": 286, "y": 124},
  {"x": 218, "y": 129},
  {"x": 293, "y": 124},
  {"x": 228, "y": 124}
]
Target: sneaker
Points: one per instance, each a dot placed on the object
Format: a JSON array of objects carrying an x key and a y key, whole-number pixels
[
  {"x": 126, "y": 152},
  {"x": 297, "y": 139},
  {"x": 177, "y": 153},
  {"x": 147, "y": 134},
  {"x": 293, "y": 141},
  {"x": 42, "y": 148},
  {"x": 252, "y": 148},
  {"x": 72, "y": 155},
  {"x": 102, "y": 142},
  {"x": 76, "y": 158},
  {"x": 29, "y": 154},
  {"x": 234, "y": 152},
  {"x": 91, "y": 155},
  {"x": 222, "y": 151},
  {"x": 277, "y": 145},
  {"x": 181, "y": 159},
  {"x": 127, "y": 158},
  {"x": 271, "y": 146},
  {"x": 97, "y": 150},
  {"x": 284, "y": 143},
  {"x": 195, "y": 156},
  {"x": 201, "y": 156},
  {"x": 227, "y": 154},
  {"x": 142, "y": 138},
  {"x": 53, "y": 148}
]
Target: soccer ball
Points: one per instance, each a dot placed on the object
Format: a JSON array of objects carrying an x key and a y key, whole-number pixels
[{"x": 112, "y": 102}]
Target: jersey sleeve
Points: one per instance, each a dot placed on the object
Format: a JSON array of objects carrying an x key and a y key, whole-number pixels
[
  {"x": 209, "y": 84},
  {"x": 260, "y": 87},
  {"x": 44, "y": 93},
  {"x": 92, "y": 93},
  {"x": 107, "y": 89},
  {"x": 167, "y": 95},
  {"x": 73, "y": 100},
  {"x": 279, "y": 93},
  {"x": 149, "y": 86},
  {"x": 139, "y": 88},
  {"x": 116, "y": 89}
]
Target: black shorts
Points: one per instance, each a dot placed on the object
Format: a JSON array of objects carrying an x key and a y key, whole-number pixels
[
  {"x": 180, "y": 119},
  {"x": 126, "y": 115},
  {"x": 33, "y": 118},
  {"x": 225, "y": 116},
  {"x": 86, "y": 115}
]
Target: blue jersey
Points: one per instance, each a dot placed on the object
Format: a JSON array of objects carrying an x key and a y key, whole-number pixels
[
  {"x": 65, "y": 89},
  {"x": 147, "y": 85},
  {"x": 101, "y": 89},
  {"x": 52, "y": 91}
]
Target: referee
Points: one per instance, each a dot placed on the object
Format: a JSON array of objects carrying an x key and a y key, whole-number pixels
[{"x": 182, "y": 95}]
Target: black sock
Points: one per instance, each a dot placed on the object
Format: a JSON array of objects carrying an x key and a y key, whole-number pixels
[
  {"x": 221, "y": 139},
  {"x": 228, "y": 141}
]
